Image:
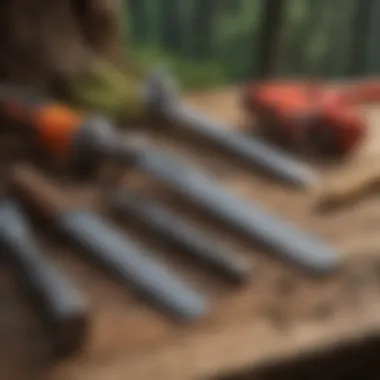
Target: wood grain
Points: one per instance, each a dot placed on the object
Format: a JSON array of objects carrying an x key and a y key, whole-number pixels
[{"x": 279, "y": 314}]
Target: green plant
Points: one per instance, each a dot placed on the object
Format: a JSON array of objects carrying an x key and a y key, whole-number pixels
[{"x": 191, "y": 74}]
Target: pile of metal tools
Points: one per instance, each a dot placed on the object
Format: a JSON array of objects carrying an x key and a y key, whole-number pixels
[{"x": 80, "y": 142}]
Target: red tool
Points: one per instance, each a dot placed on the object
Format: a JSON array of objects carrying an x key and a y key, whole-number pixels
[{"x": 311, "y": 117}]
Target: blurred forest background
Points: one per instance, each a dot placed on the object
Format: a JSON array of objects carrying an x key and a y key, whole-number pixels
[{"x": 213, "y": 42}]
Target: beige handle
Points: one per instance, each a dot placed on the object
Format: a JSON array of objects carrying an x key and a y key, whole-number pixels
[{"x": 347, "y": 189}]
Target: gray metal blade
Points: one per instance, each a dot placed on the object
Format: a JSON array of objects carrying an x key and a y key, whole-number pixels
[
  {"x": 119, "y": 254},
  {"x": 257, "y": 152},
  {"x": 275, "y": 234}
]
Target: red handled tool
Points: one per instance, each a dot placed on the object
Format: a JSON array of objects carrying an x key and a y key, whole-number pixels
[{"x": 311, "y": 117}]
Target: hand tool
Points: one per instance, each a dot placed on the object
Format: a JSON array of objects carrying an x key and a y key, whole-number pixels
[
  {"x": 115, "y": 251},
  {"x": 163, "y": 101},
  {"x": 62, "y": 307},
  {"x": 249, "y": 218},
  {"x": 311, "y": 117},
  {"x": 170, "y": 225},
  {"x": 85, "y": 140},
  {"x": 348, "y": 188},
  {"x": 53, "y": 122}
]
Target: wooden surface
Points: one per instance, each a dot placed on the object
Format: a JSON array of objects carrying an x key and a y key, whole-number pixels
[{"x": 280, "y": 313}]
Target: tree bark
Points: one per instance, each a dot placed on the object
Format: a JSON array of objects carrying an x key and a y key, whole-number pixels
[
  {"x": 139, "y": 20},
  {"x": 360, "y": 36},
  {"x": 229, "y": 6},
  {"x": 46, "y": 42},
  {"x": 203, "y": 27},
  {"x": 267, "y": 55},
  {"x": 171, "y": 26}
]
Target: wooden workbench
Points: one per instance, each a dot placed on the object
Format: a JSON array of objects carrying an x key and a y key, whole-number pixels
[{"x": 279, "y": 314}]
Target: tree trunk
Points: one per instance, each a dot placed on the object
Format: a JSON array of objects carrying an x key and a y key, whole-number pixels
[
  {"x": 139, "y": 21},
  {"x": 46, "y": 42},
  {"x": 304, "y": 39},
  {"x": 229, "y": 6},
  {"x": 360, "y": 36},
  {"x": 267, "y": 56},
  {"x": 171, "y": 26},
  {"x": 203, "y": 27}
]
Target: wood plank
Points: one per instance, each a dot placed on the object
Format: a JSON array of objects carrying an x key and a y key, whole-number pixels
[{"x": 278, "y": 314}]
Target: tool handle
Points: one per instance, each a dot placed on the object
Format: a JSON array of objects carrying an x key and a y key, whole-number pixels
[
  {"x": 51, "y": 125},
  {"x": 118, "y": 254},
  {"x": 360, "y": 93},
  {"x": 18, "y": 105},
  {"x": 348, "y": 189},
  {"x": 169, "y": 225},
  {"x": 63, "y": 307}
]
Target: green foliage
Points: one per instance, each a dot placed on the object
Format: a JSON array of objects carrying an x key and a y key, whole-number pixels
[
  {"x": 190, "y": 73},
  {"x": 111, "y": 91},
  {"x": 212, "y": 42},
  {"x": 207, "y": 43}
]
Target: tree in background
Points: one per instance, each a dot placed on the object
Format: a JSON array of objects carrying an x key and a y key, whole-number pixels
[
  {"x": 267, "y": 57},
  {"x": 360, "y": 34},
  {"x": 204, "y": 18},
  {"x": 171, "y": 25},
  {"x": 207, "y": 42},
  {"x": 139, "y": 20},
  {"x": 300, "y": 37},
  {"x": 231, "y": 6}
]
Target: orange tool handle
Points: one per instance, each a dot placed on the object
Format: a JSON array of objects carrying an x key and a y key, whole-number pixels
[
  {"x": 349, "y": 123},
  {"x": 54, "y": 126},
  {"x": 361, "y": 93}
]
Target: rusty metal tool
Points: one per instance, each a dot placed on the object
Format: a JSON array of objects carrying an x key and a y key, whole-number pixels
[
  {"x": 169, "y": 225},
  {"x": 163, "y": 100},
  {"x": 104, "y": 244},
  {"x": 63, "y": 308}
]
